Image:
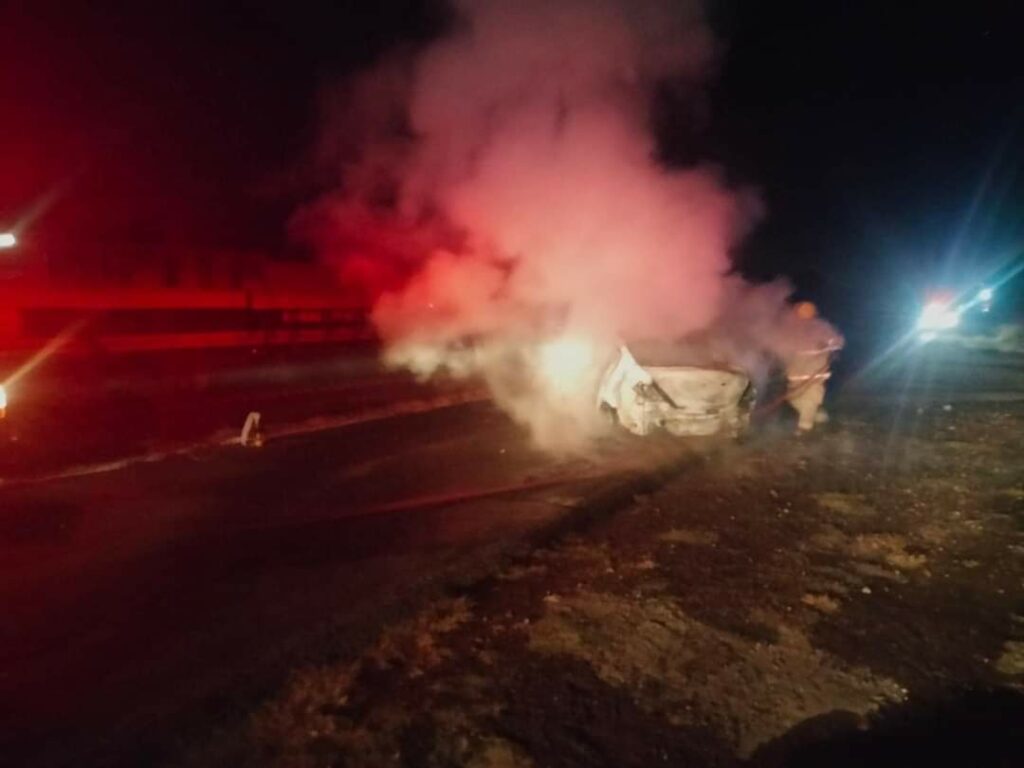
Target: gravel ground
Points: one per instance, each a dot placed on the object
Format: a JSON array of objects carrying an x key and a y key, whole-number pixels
[{"x": 850, "y": 598}]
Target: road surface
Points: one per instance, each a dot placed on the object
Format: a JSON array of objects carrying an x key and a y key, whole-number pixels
[
  {"x": 78, "y": 411},
  {"x": 140, "y": 603},
  {"x": 133, "y": 595}
]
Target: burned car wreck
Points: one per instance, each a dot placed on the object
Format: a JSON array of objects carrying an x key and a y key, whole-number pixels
[{"x": 647, "y": 388}]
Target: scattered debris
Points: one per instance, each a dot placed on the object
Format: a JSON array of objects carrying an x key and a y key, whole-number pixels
[
  {"x": 694, "y": 537},
  {"x": 252, "y": 432},
  {"x": 889, "y": 548},
  {"x": 845, "y": 504},
  {"x": 823, "y": 603},
  {"x": 1011, "y": 662}
]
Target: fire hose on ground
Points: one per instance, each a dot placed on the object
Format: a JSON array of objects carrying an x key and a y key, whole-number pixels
[{"x": 766, "y": 408}]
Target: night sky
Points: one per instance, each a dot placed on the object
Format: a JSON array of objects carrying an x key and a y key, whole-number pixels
[{"x": 886, "y": 139}]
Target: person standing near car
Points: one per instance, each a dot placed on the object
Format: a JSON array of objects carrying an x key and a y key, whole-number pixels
[{"x": 808, "y": 366}]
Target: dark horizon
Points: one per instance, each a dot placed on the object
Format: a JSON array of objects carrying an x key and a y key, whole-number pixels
[{"x": 885, "y": 143}]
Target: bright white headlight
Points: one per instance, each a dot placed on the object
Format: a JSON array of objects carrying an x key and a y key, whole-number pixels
[{"x": 938, "y": 316}]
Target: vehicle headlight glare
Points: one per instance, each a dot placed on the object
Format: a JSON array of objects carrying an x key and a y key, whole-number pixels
[{"x": 938, "y": 316}]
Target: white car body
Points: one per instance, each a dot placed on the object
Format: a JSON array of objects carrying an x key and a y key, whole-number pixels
[{"x": 684, "y": 400}]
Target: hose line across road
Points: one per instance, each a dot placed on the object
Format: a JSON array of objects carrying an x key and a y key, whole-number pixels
[{"x": 150, "y": 587}]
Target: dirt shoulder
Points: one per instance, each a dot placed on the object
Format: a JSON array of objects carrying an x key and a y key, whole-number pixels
[{"x": 854, "y": 597}]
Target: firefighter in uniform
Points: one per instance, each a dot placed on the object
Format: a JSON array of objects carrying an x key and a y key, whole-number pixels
[{"x": 807, "y": 368}]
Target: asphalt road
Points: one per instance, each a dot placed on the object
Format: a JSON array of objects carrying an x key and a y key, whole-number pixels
[
  {"x": 138, "y": 603},
  {"x": 83, "y": 410},
  {"x": 132, "y": 596}
]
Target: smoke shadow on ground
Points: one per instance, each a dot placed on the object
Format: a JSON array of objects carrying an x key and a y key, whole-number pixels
[{"x": 977, "y": 727}]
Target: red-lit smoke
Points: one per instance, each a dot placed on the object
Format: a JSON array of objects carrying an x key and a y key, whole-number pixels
[
  {"x": 533, "y": 120},
  {"x": 523, "y": 201}
]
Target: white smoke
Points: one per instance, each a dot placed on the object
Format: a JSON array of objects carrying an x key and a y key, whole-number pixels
[{"x": 536, "y": 226}]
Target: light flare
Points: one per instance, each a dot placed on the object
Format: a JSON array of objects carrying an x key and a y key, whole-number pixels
[
  {"x": 45, "y": 353},
  {"x": 567, "y": 364},
  {"x": 937, "y": 316}
]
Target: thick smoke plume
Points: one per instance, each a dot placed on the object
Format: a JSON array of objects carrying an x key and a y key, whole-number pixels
[{"x": 501, "y": 191}]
